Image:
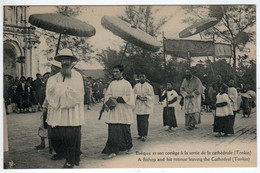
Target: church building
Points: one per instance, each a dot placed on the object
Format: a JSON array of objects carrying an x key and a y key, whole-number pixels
[{"x": 20, "y": 43}]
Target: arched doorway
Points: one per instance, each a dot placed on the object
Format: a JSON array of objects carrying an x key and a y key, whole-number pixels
[{"x": 11, "y": 53}]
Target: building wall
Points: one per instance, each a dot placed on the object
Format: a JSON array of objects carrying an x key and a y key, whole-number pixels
[{"x": 20, "y": 43}]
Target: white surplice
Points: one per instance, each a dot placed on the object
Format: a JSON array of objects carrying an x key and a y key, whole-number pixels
[
  {"x": 123, "y": 112},
  {"x": 225, "y": 110},
  {"x": 65, "y": 100},
  {"x": 144, "y": 90},
  {"x": 170, "y": 96}
]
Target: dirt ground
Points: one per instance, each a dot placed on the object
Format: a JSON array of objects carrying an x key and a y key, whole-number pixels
[{"x": 161, "y": 144}]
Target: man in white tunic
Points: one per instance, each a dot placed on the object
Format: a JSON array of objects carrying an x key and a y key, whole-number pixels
[
  {"x": 191, "y": 89},
  {"x": 120, "y": 117},
  {"x": 65, "y": 100},
  {"x": 233, "y": 95},
  {"x": 143, "y": 105}
]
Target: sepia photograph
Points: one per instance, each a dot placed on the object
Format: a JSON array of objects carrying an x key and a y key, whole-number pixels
[{"x": 129, "y": 86}]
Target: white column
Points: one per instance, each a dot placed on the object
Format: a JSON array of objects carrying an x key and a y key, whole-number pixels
[
  {"x": 18, "y": 69},
  {"x": 35, "y": 61},
  {"x": 27, "y": 64},
  {"x": 31, "y": 63}
]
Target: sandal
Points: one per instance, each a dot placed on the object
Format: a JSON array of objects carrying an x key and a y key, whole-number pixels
[
  {"x": 190, "y": 128},
  {"x": 38, "y": 147},
  {"x": 67, "y": 165},
  {"x": 56, "y": 157},
  {"x": 218, "y": 135},
  {"x": 110, "y": 156},
  {"x": 143, "y": 139}
]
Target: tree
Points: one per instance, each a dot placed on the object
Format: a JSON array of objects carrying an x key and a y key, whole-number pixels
[
  {"x": 247, "y": 71},
  {"x": 108, "y": 58},
  {"x": 249, "y": 76},
  {"x": 236, "y": 26},
  {"x": 152, "y": 67},
  {"x": 79, "y": 45}
]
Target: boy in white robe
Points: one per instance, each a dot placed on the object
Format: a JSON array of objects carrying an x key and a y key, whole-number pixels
[
  {"x": 143, "y": 105},
  {"x": 169, "y": 104},
  {"x": 223, "y": 113}
]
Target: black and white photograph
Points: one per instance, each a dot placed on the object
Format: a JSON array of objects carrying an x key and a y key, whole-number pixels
[{"x": 129, "y": 86}]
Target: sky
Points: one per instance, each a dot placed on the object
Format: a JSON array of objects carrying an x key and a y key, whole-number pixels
[{"x": 104, "y": 38}]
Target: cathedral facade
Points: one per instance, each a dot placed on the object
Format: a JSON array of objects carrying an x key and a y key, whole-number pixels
[{"x": 20, "y": 43}]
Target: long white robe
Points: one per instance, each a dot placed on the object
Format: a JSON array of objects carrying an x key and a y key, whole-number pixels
[
  {"x": 144, "y": 90},
  {"x": 6, "y": 145},
  {"x": 123, "y": 112},
  {"x": 195, "y": 88},
  {"x": 233, "y": 95},
  {"x": 65, "y": 100}
]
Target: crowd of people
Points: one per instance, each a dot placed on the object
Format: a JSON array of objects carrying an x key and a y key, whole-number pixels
[
  {"x": 244, "y": 101},
  {"x": 26, "y": 95},
  {"x": 62, "y": 94},
  {"x": 94, "y": 91}
]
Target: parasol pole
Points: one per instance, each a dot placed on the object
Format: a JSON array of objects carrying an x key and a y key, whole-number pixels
[
  {"x": 124, "y": 52},
  {"x": 57, "y": 49},
  {"x": 214, "y": 56},
  {"x": 165, "y": 71},
  {"x": 211, "y": 67},
  {"x": 189, "y": 59}
]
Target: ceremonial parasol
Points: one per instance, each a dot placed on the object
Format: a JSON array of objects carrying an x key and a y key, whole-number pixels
[
  {"x": 62, "y": 24},
  {"x": 246, "y": 95},
  {"x": 252, "y": 94},
  {"x": 130, "y": 34},
  {"x": 215, "y": 12},
  {"x": 198, "y": 27}
]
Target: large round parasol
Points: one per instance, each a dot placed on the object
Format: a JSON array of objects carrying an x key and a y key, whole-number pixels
[
  {"x": 246, "y": 95},
  {"x": 252, "y": 94},
  {"x": 216, "y": 12},
  {"x": 62, "y": 24},
  {"x": 198, "y": 27},
  {"x": 130, "y": 34}
]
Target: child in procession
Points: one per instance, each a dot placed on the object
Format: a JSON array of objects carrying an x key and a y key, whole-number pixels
[{"x": 223, "y": 113}]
